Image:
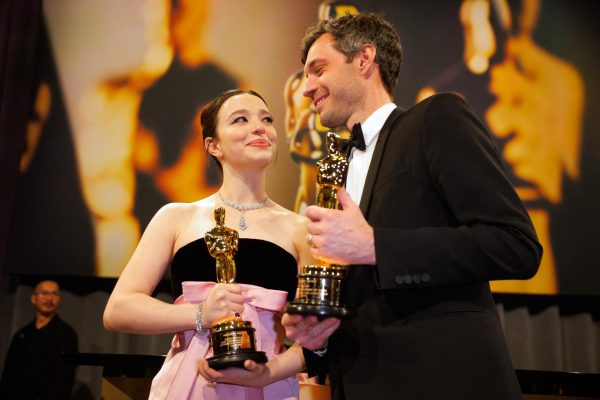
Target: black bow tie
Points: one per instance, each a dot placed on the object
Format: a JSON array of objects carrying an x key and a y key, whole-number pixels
[{"x": 357, "y": 140}]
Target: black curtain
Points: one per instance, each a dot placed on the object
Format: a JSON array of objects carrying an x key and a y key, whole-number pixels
[{"x": 20, "y": 22}]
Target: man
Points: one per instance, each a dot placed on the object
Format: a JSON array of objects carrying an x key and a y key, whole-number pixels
[
  {"x": 438, "y": 219},
  {"x": 34, "y": 367}
]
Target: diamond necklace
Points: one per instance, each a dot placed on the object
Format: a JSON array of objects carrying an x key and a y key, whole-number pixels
[{"x": 243, "y": 208}]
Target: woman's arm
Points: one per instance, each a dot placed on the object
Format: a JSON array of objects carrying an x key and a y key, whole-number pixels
[{"x": 131, "y": 308}]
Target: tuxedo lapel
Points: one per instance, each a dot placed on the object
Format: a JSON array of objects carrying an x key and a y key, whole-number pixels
[{"x": 365, "y": 200}]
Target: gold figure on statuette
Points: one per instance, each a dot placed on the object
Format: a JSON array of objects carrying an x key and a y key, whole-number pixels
[
  {"x": 331, "y": 172},
  {"x": 222, "y": 244}
]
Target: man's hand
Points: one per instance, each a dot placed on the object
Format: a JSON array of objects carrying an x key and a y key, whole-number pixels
[
  {"x": 308, "y": 331},
  {"x": 340, "y": 236}
]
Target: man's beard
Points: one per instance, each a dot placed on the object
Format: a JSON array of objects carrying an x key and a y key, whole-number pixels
[{"x": 333, "y": 119}]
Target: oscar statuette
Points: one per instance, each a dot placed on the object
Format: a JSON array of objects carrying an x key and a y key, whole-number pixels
[
  {"x": 320, "y": 287},
  {"x": 232, "y": 339}
]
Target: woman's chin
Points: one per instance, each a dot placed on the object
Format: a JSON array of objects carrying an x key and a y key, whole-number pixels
[{"x": 257, "y": 162}]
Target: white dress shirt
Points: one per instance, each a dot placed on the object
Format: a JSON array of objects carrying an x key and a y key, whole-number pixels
[{"x": 360, "y": 160}]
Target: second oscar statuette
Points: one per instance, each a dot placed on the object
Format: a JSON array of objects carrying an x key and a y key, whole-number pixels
[
  {"x": 320, "y": 287},
  {"x": 233, "y": 339}
]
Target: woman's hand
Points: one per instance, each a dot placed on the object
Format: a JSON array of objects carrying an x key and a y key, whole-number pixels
[
  {"x": 253, "y": 374},
  {"x": 224, "y": 302}
]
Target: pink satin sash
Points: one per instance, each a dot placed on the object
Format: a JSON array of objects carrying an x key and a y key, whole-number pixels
[{"x": 178, "y": 378}]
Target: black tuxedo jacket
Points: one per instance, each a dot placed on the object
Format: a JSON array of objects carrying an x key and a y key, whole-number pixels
[{"x": 446, "y": 221}]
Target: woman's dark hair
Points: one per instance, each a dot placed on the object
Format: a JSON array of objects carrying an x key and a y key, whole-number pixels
[{"x": 210, "y": 114}]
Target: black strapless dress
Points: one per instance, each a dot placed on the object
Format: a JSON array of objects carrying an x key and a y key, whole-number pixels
[{"x": 258, "y": 262}]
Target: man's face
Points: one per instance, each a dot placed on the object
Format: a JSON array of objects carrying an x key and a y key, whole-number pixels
[
  {"x": 46, "y": 297},
  {"x": 332, "y": 84}
]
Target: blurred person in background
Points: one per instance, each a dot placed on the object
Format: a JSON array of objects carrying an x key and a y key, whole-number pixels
[{"x": 34, "y": 368}]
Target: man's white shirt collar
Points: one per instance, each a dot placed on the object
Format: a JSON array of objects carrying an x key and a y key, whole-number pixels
[
  {"x": 360, "y": 160},
  {"x": 375, "y": 121}
]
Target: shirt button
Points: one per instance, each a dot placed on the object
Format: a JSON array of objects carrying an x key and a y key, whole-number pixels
[
  {"x": 399, "y": 279},
  {"x": 417, "y": 278},
  {"x": 425, "y": 278},
  {"x": 408, "y": 279}
]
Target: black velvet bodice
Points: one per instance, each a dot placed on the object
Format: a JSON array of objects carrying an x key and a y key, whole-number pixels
[{"x": 257, "y": 262}]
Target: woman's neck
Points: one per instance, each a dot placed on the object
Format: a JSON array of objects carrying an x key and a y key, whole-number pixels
[{"x": 246, "y": 188}]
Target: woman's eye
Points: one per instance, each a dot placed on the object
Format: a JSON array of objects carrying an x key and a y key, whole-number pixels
[
  {"x": 268, "y": 119},
  {"x": 240, "y": 119}
]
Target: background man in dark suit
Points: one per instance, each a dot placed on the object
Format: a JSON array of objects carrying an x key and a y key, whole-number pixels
[
  {"x": 34, "y": 368},
  {"x": 438, "y": 219}
]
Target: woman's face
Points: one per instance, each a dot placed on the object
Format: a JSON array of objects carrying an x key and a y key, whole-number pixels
[{"x": 245, "y": 133}]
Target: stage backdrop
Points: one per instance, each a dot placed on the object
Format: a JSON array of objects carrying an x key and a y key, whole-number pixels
[{"x": 114, "y": 133}]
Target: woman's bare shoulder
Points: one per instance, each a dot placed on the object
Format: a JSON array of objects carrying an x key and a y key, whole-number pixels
[
  {"x": 205, "y": 203},
  {"x": 178, "y": 211},
  {"x": 290, "y": 216}
]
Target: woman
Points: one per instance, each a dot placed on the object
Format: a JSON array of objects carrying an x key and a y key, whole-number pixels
[{"x": 239, "y": 134}]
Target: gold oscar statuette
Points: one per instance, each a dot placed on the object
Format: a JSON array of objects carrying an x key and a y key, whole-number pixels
[
  {"x": 320, "y": 286},
  {"x": 232, "y": 339}
]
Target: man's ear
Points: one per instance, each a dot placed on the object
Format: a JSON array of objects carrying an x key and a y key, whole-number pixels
[
  {"x": 366, "y": 56},
  {"x": 212, "y": 146}
]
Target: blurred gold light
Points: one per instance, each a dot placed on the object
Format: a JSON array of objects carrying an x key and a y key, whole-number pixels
[
  {"x": 188, "y": 23},
  {"x": 116, "y": 239},
  {"x": 106, "y": 123},
  {"x": 425, "y": 92},
  {"x": 145, "y": 152},
  {"x": 35, "y": 125},
  {"x": 112, "y": 194},
  {"x": 478, "y": 64},
  {"x": 186, "y": 181},
  {"x": 480, "y": 43},
  {"x": 159, "y": 53}
]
